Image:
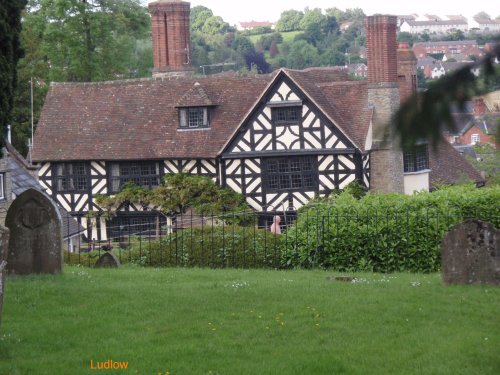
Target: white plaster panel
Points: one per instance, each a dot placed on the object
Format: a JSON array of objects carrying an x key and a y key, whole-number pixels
[
  {"x": 233, "y": 185},
  {"x": 347, "y": 181},
  {"x": 45, "y": 170},
  {"x": 101, "y": 171},
  {"x": 349, "y": 164}
]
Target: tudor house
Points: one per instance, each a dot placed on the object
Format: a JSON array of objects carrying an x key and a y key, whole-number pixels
[{"x": 279, "y": 139}]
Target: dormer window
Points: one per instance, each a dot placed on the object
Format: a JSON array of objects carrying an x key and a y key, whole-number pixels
[{"x": 192, "y": 118}]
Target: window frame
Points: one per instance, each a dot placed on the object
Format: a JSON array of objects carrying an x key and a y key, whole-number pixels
[
  {"x": 286, "y": 114},
  {"x": 117, "y": 179},
  {"x": 2, "y": 187},
  {"x": 299, "y": 173},
  {"x": 67, "y": 180},
  {"x": 187, "y": 115},
  {"x": 416, "y": 160},
  {"x": 475, "y": 138}
]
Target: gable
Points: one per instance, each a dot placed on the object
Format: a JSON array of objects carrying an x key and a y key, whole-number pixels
[{"x": 286, "y": 119}]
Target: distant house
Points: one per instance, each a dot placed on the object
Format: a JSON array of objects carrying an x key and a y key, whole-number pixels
[
  {"x": 358, "y": 70},
  {"x": 476, "y": 123},
  {"x": 485, "y": 24},
  {"x": 254, "y": 24},
  {"x": 462, "y": 47},
  {"x": 433, "y": 26}
]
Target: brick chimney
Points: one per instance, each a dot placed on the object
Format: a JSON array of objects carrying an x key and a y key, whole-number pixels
[
  {"x": 407, "y": 71},
  {"x": 479, "y": 107},
  {"x": 386, "y": 159},
  {"x": 170, "y": 31}
]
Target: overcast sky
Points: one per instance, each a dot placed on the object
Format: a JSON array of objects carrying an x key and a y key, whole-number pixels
[{"x": 270, "y": 10}]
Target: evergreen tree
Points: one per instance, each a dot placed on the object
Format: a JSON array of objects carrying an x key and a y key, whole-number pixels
[{"x": 10, "y": 53}]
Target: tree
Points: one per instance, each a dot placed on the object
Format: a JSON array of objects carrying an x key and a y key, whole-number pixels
[
  {"x": 177, "y": 193},
  {"x": 214, "y": 25},
  {"x": 198, "y": 16},
  {"x": 86, "y": 40},
  {"x": 10, "y": 53},
  {"x": 312, "y": 17},
  {"x": 482, "y": 15},
  {"x": 302, "y": 55},
  {"x": 273, "y": 50},
  {"x": 427, "y": 115},
  {"x": 289, "y": 20}
]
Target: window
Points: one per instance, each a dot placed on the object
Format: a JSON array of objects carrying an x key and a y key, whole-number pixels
[
  {"x": 417, "y": 159},
  {"x": 71, "y": 177},
  {"x": 474, "y": 138},
  {"x": 145, "y": 174},
  {"x": 299, "y": 173},
  {"x": 140, "y": 224},
  {"x": 2, "y": 187},
  {"x": 192, "y": 118},
  {"x": 286, "y": 114}
]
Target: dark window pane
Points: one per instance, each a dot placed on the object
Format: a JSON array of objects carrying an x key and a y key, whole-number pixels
[
  {"x": 296, "y": 180},
  {"x": 284, "y": 166}
]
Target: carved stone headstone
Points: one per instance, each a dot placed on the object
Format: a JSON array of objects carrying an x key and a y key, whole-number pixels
[
  {"x": 107, "y": 260},
  {"x": 471, "y": 254},
  {"x": 35, "y": 244},
  {"x": 4, "y": 243}
]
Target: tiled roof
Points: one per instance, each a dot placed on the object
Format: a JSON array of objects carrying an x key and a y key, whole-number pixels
[
  {"x": 138, "y": 119},
  {"x": 446, "y": 43},
  {"x": 448, "y": 166},
  {"x": 196, "y": 96},
  {"x": 437, "y": 22}
]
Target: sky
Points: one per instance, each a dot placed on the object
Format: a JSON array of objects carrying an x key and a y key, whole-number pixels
[{"x": 270, "y": 10}]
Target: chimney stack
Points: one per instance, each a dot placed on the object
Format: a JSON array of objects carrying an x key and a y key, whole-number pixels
[
  {"x": 407, "y": 71},
  {"x": 381, "y": 46},
  {"x": 479, "y": 107},
  {"x": 386, "y": 158},
  {"x": 170, "y": 31}
]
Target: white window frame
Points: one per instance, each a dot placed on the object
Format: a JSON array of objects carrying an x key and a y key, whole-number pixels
[
  {"x": 475, "y": 138},
  {"x": 2, "y": 186}
]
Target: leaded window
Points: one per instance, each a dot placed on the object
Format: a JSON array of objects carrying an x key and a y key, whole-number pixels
[
  {"x": 71, "y": 177},
  {"x": 139, "y": 224},
  {"x": 192, "y": 118},
  {"x": 416, "y": 159},
  {"x": 296, "y": 173},
  {"x": 286, "y": 114},
  {"x": 145, "y": 174}
]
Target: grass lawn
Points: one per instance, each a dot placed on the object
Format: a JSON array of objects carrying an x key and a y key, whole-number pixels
[{"x": 202, "y": 321}]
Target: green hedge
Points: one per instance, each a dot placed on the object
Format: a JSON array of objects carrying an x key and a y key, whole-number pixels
[
  {"x": 379, "y": 232},
  {"x": 385, "y": 233},
  {"x": 218, "y": 247}
]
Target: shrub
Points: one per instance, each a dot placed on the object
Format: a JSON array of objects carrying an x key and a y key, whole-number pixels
[{"x": 387, "y": 232}]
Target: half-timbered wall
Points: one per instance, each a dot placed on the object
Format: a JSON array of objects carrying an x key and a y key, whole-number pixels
[{"x": 269, "y": 134}]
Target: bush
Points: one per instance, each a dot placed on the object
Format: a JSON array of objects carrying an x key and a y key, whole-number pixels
[
  {"x": 385, "y": 233},
  {"x": 210, "y": 246}
]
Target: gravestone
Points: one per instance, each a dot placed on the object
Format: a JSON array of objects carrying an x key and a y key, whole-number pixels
[
  {"x": 107, "y": 260},
  {"x": 4, "y": 243},
  {"x": 471, "y": 254},
  {"x": 35, "y": 244}
]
